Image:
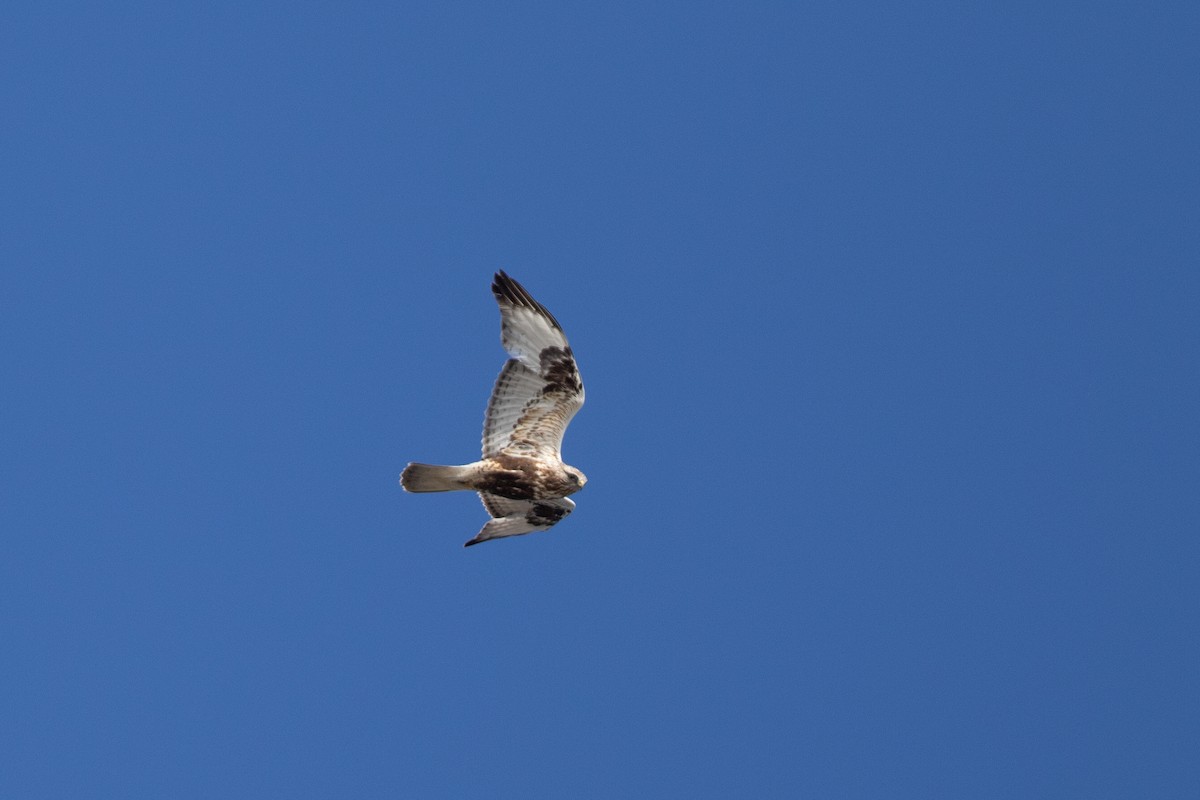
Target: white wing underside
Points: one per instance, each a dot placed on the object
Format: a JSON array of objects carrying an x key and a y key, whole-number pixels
[
  {"x": 513, "y": 518},
  {"x": 529, "y": 413},
  {"x": 526, "y": 332}
]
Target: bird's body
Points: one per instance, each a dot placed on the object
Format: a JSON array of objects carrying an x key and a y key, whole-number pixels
[
  {"x": 521, "y": 478},
  {"x": 510, "y": 476}
]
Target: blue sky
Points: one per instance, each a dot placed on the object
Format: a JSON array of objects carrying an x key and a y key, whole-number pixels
[{"x": 888, "y": 319}]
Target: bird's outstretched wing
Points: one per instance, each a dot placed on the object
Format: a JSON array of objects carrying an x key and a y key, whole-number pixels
[
  {"x": 516, "y": 517},
  {"x": 539, "y": 390}
]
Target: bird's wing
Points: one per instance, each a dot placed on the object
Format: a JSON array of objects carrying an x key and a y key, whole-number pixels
[
  {"x": 539, "y": 390},
  {"x": 515, "y": 517}
]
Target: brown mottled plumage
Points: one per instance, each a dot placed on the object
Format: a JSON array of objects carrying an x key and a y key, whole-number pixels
[{"x": 521, "y": 478}]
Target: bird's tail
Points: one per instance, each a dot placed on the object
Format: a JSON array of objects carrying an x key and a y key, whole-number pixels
[{"x": 434, "y": 478}]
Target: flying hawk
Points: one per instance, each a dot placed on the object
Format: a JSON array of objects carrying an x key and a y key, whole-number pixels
[{"x": 521, "y": 479}]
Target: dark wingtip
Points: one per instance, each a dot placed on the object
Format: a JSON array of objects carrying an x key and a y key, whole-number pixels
[
  {"x": 507, "y": 290},
  {"x": 473, "y": 541}
]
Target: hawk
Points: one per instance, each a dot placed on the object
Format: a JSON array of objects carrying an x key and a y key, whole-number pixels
[{"x": 521, "y": 478}]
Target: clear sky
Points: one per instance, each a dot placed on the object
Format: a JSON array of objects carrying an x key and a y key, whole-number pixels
[{"x": 889, "y": 317}]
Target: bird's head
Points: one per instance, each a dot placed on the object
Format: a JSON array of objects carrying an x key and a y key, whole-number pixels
[{"x": 575, "y": 477}]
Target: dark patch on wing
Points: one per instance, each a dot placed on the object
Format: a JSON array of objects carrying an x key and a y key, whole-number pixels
[
  {"x": 545, "y": 514},
  {"x": 557, "y": 366},
  {"x": 509, "y": 291}
]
